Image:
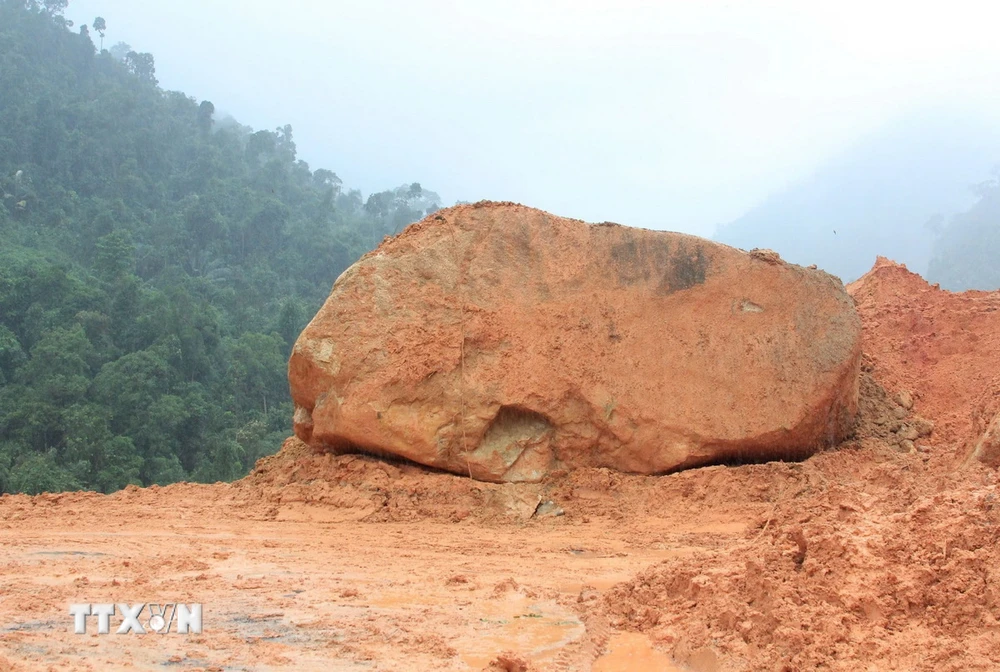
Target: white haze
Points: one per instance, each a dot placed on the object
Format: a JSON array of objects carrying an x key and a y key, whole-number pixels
[{"x": 676, "y": 115}]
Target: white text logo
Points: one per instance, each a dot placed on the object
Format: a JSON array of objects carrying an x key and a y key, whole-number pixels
[{"x": 158, "y": 618}]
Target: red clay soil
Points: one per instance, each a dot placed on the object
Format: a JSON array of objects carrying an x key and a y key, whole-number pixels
[
  {"x": 871, "y": 559},
  {"x": 880, "y": 555},
  {"x": 941, "y": 346}
]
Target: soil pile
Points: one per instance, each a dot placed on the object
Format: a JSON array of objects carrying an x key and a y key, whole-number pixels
[
  {"x": 884, "y": 552},
  {"x": 370, "y": 489},
  {"x": 868, "y": 556},
  {"x": 940, "y": 349}
]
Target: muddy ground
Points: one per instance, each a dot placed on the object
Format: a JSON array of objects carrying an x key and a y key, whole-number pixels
[
  {"x": 881, "y": 554},
  {"x": 299, "y": 585}
]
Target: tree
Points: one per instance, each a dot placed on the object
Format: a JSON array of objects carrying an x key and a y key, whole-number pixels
[
  {"x": 11, "y": 354},
  {"x": 120, "y": 50},
  {"x": 115, "y": 256},
  {"x": 967, "y": 248},
  {"x": 142, "y": 66},
  {"x": 55, "y": 7},
  {"x": 327, "y": 179},
  {"x": 260, "y": 146},
  {"x": 255, "y": 375},
  {"x": 59, "y": 366},
  {"x": 290, "y": 324},
  {"x": 285, "y": 143},
  {"x": 94, "y": 455},
  {"x": 100, "y": 25},
  {"x": 35, "y": 473},
  {"x": 223, "y": 463},
  {"x": 205, "y": 113},
  {"x": 378, "y": 204}
]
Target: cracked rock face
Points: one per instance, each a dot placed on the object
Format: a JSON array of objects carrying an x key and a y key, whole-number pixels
[{"x": 504, "y": 343}]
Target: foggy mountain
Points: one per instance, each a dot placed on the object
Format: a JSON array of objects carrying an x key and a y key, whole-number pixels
[{"x": 889, "y": 195}]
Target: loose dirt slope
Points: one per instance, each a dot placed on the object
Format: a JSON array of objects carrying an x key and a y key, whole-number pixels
[
  {"x": 871, "y": 559},
  {"x": 944, "y": 347},
  {"x": 863, "y": 558}
]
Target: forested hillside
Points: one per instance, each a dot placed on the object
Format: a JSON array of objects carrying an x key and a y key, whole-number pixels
[
  {"x": 156, "y": 265},
  {"x": 967, "y": 250}
]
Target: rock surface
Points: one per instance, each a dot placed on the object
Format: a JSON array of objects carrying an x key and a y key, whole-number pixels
[{"x": 505, "y": 343}]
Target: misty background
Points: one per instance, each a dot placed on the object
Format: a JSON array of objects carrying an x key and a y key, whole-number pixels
[{"x": 769, "y": 125}]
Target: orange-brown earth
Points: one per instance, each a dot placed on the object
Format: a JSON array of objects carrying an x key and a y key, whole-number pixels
[{"x": 879, "y": 555}]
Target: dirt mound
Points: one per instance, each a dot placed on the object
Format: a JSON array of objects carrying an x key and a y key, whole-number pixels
[
  {"x": 503, "y": 343},
  {"x": 883, "y": 551},
  {"x": 369, "y": 488},
  {"x": 867, "y": 557},
  {"x": 361, "y": 487},
  {"x": 940, "y": 348}
]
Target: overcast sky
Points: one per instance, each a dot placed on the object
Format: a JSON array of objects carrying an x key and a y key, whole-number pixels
[{"x": 675, "y": 115}]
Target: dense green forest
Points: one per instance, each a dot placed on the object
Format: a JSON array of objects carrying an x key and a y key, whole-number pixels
[{"x": 156, "y": 265}]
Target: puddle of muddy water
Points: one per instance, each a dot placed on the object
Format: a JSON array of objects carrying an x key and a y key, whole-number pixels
[
  {"x": 633, "y": 652},
  {"x": 538, "y": 629}
]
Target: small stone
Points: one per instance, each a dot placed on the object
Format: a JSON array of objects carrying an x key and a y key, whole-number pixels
[
  {"x": 508, "y": 661},
  {"x": 907, "y": 446},
  {"x": 904, "y": 399},
  {"x": 769, "y": 256},
  {"x": 899, "y": 412},
  {"x": 923, "y": 426},
  {"x": 908, "y": 433},
  {"x": 988, "y": 448},
  {"x": 548, "y": 508}
]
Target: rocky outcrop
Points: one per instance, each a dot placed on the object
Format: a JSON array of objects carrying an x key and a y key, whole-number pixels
[{"x": 504, "y": 343}]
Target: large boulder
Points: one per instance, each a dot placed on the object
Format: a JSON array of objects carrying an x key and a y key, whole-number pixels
[{"x": 504, "y": 343}]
